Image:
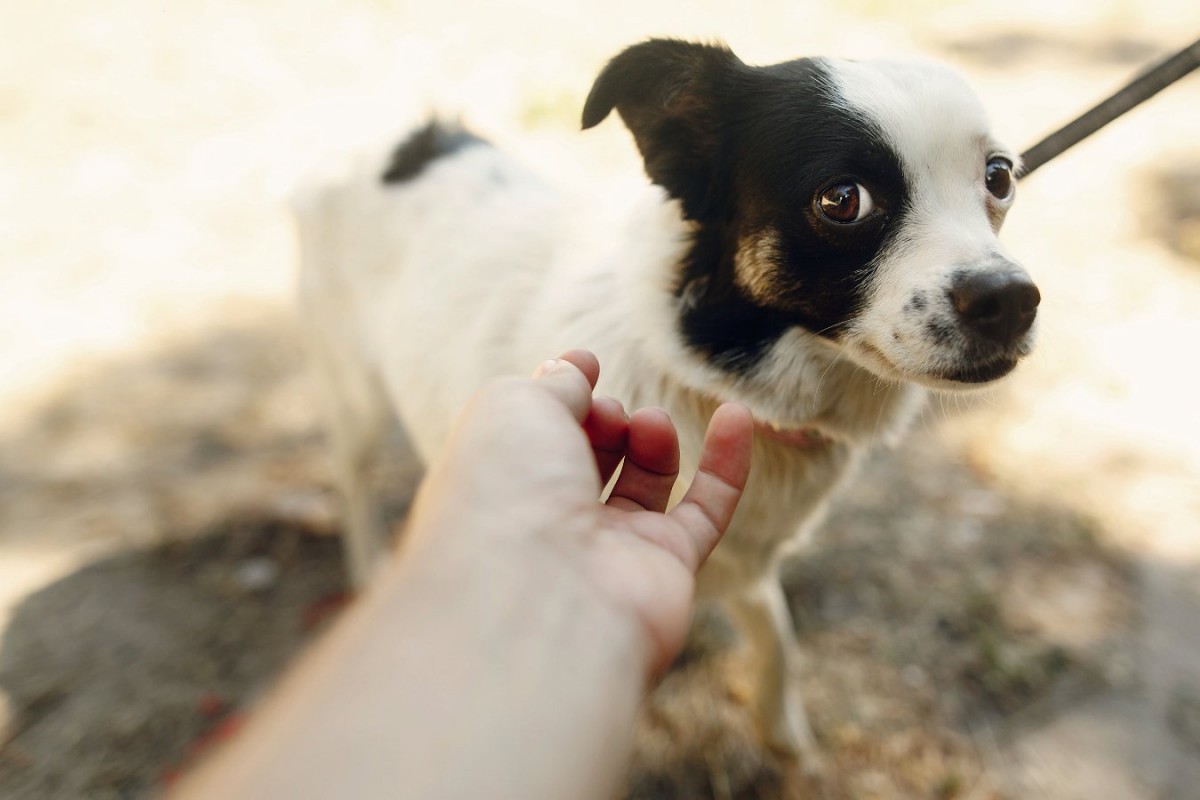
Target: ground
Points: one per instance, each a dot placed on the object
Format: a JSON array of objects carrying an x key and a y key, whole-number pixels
[{"x": 1003, "y": 606}]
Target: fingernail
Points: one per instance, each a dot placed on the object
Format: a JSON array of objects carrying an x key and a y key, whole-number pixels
[{"x": 545, "y": 367}]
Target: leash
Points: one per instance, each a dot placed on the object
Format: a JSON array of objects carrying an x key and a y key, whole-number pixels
[{"x": 1133, "y": 94}]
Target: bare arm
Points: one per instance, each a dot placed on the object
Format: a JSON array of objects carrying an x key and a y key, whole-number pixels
[{"x": 504, "y": 652}]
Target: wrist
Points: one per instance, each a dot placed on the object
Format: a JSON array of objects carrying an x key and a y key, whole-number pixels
[
  {"x": 522, "y": 591},
  {"x": 533, "y": 652}
]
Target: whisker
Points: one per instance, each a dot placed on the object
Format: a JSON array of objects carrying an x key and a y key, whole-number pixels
[
  {"x": 821, "y": 380},
  {"x": 828, "y": 328},
  {"x": 879, "y": 417}
]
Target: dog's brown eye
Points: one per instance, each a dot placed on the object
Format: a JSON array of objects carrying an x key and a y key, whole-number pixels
[
  {"x": 999, "y": 178},
  {"x": 845, "y": 203}
]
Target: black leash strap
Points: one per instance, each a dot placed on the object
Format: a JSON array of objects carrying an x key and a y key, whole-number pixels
[{"x": 1138, "y": 91}]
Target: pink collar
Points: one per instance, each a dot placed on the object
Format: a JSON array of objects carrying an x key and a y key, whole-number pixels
[{"x": 806, "y": 438}]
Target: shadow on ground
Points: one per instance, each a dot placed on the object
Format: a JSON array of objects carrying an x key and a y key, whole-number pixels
[
  {"x": 1018, "y": 48},
  {"x": 938, "y": 612},
  {"x": 119, "y": 670},
  {"x": 939, "y": 617}
]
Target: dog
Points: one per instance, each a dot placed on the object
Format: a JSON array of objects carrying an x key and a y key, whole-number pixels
[{"x": 818, "y": 240}]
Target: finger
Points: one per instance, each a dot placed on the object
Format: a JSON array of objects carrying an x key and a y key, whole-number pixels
[
  {"x": 568, "y": 384},
  {"x": 710, "y": 501},
  {"x": 607, "y": 429},
  {"x": 587, "y": 363},
  {"x": 651, "y": 463}
]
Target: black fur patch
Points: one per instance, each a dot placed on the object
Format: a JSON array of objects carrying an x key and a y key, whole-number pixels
[
  {"x": 747, "y": 150},
  {"x": 716, "y": 317},
  {"x": 430, "y": 143},
  {"x": 916, "y": 304},
  {"x": 940, "y": 332},
  {"x": 670, "y": 93}
]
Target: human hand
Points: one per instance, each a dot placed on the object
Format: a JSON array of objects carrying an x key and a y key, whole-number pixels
[
  {"x": 531, "y": 456},
  {"x": 505, "y": 652}
]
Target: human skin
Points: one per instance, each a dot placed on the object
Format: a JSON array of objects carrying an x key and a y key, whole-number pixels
[{"x": 504, "y": 650}]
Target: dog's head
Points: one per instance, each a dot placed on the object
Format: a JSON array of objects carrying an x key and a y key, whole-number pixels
[{"x": 857, "y": 201}]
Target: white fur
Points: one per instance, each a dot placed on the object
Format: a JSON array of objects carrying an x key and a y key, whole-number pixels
[
  {"x": 942, "y": 135},
  {"x": 418, "y": 293}
]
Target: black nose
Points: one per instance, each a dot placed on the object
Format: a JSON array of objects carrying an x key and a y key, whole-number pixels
[{"x": 999, "y": 306}]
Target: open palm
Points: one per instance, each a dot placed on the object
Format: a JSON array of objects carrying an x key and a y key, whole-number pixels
[
  {"x": 533, "y": 457},
  {"x": 525, "y": 470},
  {"x": 641, "y": 556}
]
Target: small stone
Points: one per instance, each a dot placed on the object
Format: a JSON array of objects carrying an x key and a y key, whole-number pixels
[
  {"x": 913, "y": 676},
  {"x": 256, "y": 574},
  {"x": 739, "y": 689},
  {"x": 313, "y": 510}
]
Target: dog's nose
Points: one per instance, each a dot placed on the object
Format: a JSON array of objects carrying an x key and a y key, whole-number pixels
[{"x": 999, "y": 306}]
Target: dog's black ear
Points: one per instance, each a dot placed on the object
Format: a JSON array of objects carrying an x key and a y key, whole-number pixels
[{"x": 673, "y": 96}]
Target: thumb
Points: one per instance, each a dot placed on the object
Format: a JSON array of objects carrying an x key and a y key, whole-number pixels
[{"x": 567, "y": 383}]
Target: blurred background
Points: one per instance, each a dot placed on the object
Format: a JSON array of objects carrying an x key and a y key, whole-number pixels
[{"x": 1007, "y": 605}]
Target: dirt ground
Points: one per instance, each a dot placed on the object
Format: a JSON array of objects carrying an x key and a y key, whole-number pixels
[{"x": 1004, "y": 606}]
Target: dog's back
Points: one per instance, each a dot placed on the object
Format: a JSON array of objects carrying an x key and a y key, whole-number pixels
[{"x": 427, "y": 252}]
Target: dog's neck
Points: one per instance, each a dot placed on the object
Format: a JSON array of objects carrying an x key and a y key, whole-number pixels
[{"x": 805, "y": 438}]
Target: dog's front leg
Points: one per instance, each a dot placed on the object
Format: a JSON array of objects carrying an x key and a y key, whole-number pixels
[
  {"x": 358, "y": 420},
  {"x": 763, "y": 617}
]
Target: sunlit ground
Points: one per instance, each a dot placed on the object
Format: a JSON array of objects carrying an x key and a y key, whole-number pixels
[{"x": 151, "y": 384}]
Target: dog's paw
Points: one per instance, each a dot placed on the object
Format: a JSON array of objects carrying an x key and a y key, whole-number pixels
[{"x": 791, "y": 739}]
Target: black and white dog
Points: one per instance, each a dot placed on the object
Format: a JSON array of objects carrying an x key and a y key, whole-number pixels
[{"x": 819, "y": 243}]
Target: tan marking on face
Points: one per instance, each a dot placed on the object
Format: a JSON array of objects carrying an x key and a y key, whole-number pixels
[{"x": 756, "y": 266}]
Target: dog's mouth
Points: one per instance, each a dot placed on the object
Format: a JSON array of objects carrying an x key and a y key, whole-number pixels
[
  {"x": 971, "y": 373},
  {"x": 981, "y": 373}
]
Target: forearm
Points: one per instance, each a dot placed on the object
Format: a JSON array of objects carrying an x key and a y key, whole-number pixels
[
  {"x": 449, "y": 680},
  {"x": 505, "y": 654}
]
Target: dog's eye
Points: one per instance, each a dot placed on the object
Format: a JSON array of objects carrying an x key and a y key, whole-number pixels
[
  {"x": 999, "y": 178},
  {"x": 845, "y": 203}
]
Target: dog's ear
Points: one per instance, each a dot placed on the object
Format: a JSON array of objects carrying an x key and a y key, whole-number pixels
[{"x": 673, "y": 96}]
